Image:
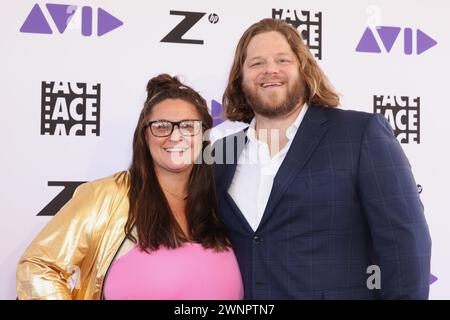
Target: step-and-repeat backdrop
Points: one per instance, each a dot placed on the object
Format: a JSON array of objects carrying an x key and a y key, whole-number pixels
[{"x": 73, "y": 76}]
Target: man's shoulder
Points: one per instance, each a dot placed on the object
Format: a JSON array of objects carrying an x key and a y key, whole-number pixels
[
  {"x": 355, "y": 121},
  {"x": 335, "y": 117},
  {"x": 338, "y": 114},
  {"x": 240, "y": 134},
  {"x": 229, "y": 145}
]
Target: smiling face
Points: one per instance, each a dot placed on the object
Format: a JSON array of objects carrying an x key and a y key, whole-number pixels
[
  {"x": 271, "y": 75},
  {"x": 175, "y": 153}
]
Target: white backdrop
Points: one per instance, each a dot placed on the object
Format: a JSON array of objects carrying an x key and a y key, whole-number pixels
[{"x": 123, "y": 59}]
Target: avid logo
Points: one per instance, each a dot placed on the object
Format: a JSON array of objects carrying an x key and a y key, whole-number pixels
[
  {"x": 61, "y": 198},
  {"x": 389, "y": 35},
  {"x": 216, "y": 112},
  {"x": 64, "y": 15},
  {"x": 70, "y": 108},
  {"x": 189, "y": 21},
  {"x": 403, "y": 113},
  {"x": 307, "y": 23}
]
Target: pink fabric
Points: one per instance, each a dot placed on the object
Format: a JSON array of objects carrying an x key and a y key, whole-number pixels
[{"x": 190, "y": 272}]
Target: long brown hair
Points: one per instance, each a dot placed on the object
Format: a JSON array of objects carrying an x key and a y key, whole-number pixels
[
  {"x": 318, "y": 90},
  {"x": 149, "y": 211}
]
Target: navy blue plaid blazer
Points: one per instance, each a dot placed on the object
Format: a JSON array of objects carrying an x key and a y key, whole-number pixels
[{"x": 343, "y": 199}]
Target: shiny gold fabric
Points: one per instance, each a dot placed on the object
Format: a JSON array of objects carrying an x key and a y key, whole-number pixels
[{"x": 80, "y": 241}]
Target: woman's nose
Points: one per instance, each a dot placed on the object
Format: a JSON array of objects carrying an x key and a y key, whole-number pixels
[{"x": 176, "y": 135}]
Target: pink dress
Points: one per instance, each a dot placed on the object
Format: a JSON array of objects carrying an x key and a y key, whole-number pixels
[{"x": 190, "y": 272}]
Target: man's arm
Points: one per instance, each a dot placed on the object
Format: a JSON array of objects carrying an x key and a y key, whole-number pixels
[{"x": 391, "y": 203}]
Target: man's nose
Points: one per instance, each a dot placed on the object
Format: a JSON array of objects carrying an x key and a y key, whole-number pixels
[{"x": 271, "y": 67}]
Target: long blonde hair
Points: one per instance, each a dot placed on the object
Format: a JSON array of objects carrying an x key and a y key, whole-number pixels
[{"x": 318, "y": 89}]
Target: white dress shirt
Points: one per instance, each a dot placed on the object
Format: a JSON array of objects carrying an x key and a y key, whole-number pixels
[{"x": 255, "y": 171}]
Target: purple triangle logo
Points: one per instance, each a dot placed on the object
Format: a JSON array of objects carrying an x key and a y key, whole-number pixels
[
  {"x": 368, "y": 42},
  {"x": 35, "y": 22},
  {"x": 388, "y": 35},
  {"x": 61, "y": 14},
  {"x": 424, "y": 42},
  {"x": 106, "y": 22},
  {"x": 216, "y": 111},
  {"x": 433, "y": 278}
]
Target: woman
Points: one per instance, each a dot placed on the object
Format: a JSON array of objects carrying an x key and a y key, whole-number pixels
[{"x": 149, "y": 233}]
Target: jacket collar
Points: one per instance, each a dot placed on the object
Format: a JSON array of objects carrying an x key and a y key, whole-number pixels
[{"x": 309, "y": 134}]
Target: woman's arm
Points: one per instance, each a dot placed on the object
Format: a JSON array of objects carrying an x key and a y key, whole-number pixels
[{"x": 45, "y": 269}]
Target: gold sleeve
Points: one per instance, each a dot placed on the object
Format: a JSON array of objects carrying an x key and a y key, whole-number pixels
[{"x": 46, "y": 268}]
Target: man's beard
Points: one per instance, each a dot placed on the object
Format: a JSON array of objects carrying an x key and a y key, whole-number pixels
[{"x": 274, "y": 110}]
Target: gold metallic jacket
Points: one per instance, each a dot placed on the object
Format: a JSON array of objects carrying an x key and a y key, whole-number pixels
[{"x": 79, "y": 242}]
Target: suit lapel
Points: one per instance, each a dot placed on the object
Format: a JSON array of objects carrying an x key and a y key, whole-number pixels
[
  {"x": 308, "y": 136},
  {"x": 231, "y": 150}
]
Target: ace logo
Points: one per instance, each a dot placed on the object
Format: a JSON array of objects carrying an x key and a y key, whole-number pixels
[
  {"x": 308, "y": 23},
  {"x": 70, "y": 108},
  {"x": 403, "y": 114}
]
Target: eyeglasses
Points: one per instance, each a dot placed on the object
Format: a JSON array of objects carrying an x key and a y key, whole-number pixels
[{"x": 164, "y": 128}]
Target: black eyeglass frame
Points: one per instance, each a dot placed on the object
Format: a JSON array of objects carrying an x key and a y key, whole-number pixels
[{"x": 174, "y": 124}]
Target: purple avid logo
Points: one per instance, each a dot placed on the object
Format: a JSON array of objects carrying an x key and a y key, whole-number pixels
[
  {"x": 433, "y": 279},
  {"x": 388, "y": 36},
  {"x": 62, "y": 14},
  {"x": 216, "y": 112}
]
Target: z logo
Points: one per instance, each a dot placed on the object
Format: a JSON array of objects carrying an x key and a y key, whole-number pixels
[
  {"x": 190, "y": 19},
  {"x": 60, "y": 200}
]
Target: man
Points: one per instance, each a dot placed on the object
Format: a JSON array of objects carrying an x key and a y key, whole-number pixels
[{"x": 319, "y": 203}]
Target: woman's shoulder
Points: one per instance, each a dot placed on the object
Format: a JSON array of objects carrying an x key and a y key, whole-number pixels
[{"x": 115, "y": 184}]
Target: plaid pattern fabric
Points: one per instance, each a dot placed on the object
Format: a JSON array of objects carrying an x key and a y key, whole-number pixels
[{"x": 343, "y": 199}]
